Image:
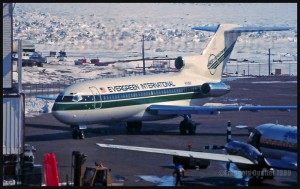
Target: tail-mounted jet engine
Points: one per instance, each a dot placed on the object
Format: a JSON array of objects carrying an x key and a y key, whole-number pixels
[
  {"x": 179, "y": 63},
  {"x": 215, "y": 89}
]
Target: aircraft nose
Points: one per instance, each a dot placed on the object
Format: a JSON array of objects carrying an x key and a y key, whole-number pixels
[
  {"x": 56, "y": 113},
  {"x": 59, "y": 115},
  {"x": 230, "y": 148}
]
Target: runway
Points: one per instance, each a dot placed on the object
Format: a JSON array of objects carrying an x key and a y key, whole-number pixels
[{"x": 48, "y": 135}]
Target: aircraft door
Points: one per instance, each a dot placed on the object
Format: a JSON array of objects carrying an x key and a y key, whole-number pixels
[{"x": 97, "y": 97}]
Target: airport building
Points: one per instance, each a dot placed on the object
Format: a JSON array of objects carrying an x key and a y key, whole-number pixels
[{"x": 17, "y": 159}]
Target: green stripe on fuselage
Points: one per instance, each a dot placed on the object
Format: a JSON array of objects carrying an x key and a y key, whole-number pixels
[{"x": 61, "y": 106}]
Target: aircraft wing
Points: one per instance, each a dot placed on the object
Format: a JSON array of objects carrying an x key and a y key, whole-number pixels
[
  {"x": 200, "y": 155},
  {"x": 46, "y": 97},
  {"x": 280, "y": 164},
  {"x": 179, "y": 110}
]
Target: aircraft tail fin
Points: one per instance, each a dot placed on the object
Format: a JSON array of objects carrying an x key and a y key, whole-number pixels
[{"x": 215, "y": 56}]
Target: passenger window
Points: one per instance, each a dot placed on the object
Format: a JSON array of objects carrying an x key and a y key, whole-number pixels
[
  {"x": 90, "y": 98},
  {"x": 98, "y": 97}
]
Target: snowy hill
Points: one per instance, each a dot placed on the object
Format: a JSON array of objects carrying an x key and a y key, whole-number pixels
[{"x": 114, "y": 30}]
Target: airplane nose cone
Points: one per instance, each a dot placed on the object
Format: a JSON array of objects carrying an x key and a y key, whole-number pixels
[
  {"x": 65, "y": 116},
  {"x": 57, "y": 115}
]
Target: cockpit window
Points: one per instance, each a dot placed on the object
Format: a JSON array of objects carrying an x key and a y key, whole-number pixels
[
  {"x": 250, "y": 139},
  {"x": 62, "y": 98},
  {"x": 77, "y": 98}
]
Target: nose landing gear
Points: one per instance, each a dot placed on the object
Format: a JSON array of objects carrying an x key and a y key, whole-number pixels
[
  {"x": 78, "y": 131},
  {"x": 133, "y": 126}
]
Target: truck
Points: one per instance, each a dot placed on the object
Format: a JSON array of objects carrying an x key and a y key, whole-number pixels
[
  {"x": 31, "y": 59},
  {"x": 90, "y": 176},
  {"x": 36, "y": 59},
  {"x": 98, "y": 176}
]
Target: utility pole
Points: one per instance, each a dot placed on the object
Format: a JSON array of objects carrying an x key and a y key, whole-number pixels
[
  {"x": 144, "y": 71},
  {"x": 20, "y": 52},
  {"x": 269, "y": 61}
]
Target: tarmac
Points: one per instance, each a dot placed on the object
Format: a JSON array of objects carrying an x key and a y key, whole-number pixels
[{"x": 48, "y": 135}]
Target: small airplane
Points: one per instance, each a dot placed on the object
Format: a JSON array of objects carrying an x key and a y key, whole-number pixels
[
  {"x": 269, "y": 146},
  {"x": 157, "y": 97}
]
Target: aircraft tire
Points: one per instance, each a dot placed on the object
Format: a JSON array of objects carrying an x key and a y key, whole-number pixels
[
  {"x": 183, "y": 127},
  {"x": 134, "y": 126},
  {"x": 138, "y": 126},
  {"x": 269, "y": 174},
  {"x": 254, "y": 182},
  {"x": 129, "y": 128},
  {"x": 74, "y": 133},
  {"x": 191, "y": 127},
  {"x": 81, "y": 134}
]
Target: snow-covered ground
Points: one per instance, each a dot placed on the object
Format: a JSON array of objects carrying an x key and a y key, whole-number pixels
[{"x": 113, "y": 31}]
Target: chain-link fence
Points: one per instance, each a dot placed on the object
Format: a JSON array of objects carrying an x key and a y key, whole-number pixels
[
  {"x": 261, "y": 69},
  {"x": 231, "y": 69}
]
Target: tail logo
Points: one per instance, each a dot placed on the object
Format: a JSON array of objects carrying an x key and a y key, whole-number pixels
[{"x": 214, "y": 61}]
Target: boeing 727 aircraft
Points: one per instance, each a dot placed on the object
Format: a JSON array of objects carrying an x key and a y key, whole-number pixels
[
  {"x": 157, "y": 97},
  {"x": 269, "y": 146}
]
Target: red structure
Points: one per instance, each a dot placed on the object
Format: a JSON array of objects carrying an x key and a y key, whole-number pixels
[{"x": 50, "y": 170}]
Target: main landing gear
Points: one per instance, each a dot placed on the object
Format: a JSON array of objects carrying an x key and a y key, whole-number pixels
[
  {"x": 78, "y": 131},
  {"x": 187, "y": 126},
  {"x": 259, "y": 176},
  {"x": 133, "y": 126}
]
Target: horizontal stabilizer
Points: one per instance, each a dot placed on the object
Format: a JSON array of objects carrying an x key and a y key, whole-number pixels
[
  {"x": 200, "y": 155},
  {"x": 242, "y": 29},
  {"x": 257, "y": 29},
  {"x": 207, "y": 28}
]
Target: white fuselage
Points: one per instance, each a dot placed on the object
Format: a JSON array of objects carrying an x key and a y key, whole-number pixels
[
  {"x": 127, "y": 99},
  {"x": 278, "y": 142},
  {"x": 124, "y": 99}
]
